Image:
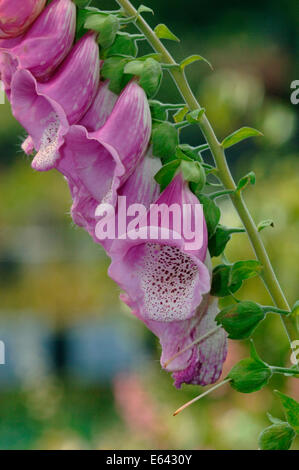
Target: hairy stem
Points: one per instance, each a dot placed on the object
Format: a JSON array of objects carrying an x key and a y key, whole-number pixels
[{"x": 224, "y": 173}]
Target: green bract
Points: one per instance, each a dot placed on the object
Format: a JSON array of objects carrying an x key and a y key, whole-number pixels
[
  {"x": 228, "y": 278},
  {"x": 241, "y": 319}
]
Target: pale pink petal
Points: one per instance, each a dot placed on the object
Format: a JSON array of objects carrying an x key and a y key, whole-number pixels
[{"x": 17, "y": 15}]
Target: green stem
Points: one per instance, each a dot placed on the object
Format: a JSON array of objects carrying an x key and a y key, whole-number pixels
[
  {"x": 224, "y": 173},
  {"x": 284, "y": 370}
]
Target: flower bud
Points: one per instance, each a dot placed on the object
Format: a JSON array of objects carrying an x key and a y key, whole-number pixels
[
  {"x": 17, "y": 15},
  {"x": 249, "y": 375}
]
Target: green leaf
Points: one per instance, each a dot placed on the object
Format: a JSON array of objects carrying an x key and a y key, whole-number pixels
[
  {"x": 163, "y": 32},
  {"x": 151, "y": 77},
  {"x": 228, "y": 278},
  {"x": 145, "y": 9},
  {"x": 180, "y": 114},
  {"x": 193, "y": 58},
  {"x": 264, "y": 224},
  {"x": 249, "y": 375},
  {"x": 134, "y": 67},
  {"x": 291, "y": 408},
  {"x": 274, "y": 420},
  {"x": 124, "y": 45},
  {"x": 193, "y": 172},
  {"x": 211, "y": 211},
  {"x": 239, "y": 135},
  {"x": 158, "y": 110},
  {"x": 108, "y": 31},
  {"x": 166, "y": 173},
  {"x": 245, "y": 181},
  {"x": 190, "y": 152},
  {"x": 113, "y": 70},
  {"x": 242, "y": 270},
  {"x": 221, "y": 286},
  {"x": 277, "y": 437},
  {"x": 194, "y": 116},
  {"x": 219, "y": 240},
  {"x": 165, "y": 139},
  {"x": 240, "y": 320}
]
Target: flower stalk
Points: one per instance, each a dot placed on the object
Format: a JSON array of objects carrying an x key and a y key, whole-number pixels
[{"x": 223, "y": 172}]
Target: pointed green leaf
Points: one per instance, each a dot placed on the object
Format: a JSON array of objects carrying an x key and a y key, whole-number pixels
[
  {"x": 190, "y": 152},
  {"x": 291, "y": 408},
  {"x": 180, "y": 114},
  {"x": 193, "y": 58},
  {"x": 245, "y": 181},
  {"x": 163, "y": 32},
  {"x": 264, "y": 224},
  {"x": 145, "y": 9},
  {"x": 194, "y": 116},
  {"x": 239, "y": 135},
  {"x": 124, "y": 45},
  {"x": 242, "y": 270},
  {"x": 279, "y": 436}
]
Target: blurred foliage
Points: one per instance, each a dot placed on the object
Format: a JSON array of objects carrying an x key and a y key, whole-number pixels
[{"x": 51, "y": 268}]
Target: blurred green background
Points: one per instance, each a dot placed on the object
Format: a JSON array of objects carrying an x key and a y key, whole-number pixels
[{"x": 81, "y": 372}]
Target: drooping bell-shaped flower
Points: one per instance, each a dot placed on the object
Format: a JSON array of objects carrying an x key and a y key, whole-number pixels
[
  {"x": 160, "y": 261},
  {"x": 46, "y": 110},
  {"x": 96, "y": 164},
  {"x": 193, "y": 350},
  {"x": 17, "y": 15},
  {"x": 42, "y": 49}
]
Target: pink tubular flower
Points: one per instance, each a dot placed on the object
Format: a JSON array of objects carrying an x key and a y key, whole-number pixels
[
  {"x": 164, "y": 277},
  {"x": 46, "y": 110},
  {"x": 190, "y": 360},
  {"x": 139, "y": 189},
  {"x": 42, "y": 49},
  {"x": 96, "y": 164},
  {"x": 17, "y": 15}
]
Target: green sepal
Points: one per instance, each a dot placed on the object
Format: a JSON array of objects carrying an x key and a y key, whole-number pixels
[
  {"x": 212, "y": 212},
  {"x": 165, "y": 139},
  {"x": 158, "y": 110},
  {"x": 241, "y": 319},
  {"x": 166, "y": 174},
  {"x": 250, "y": 374},
  {"x": 124, "y": 45},
  {"x": 193, "y": 172},
  {"x": 278, "y": 436},
  {"x": 113, "y": 70},
  {"x": 228, "y": 278}
]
